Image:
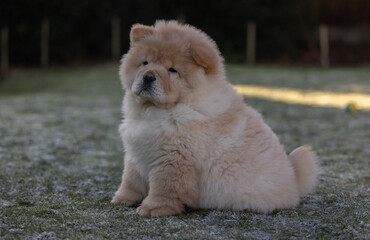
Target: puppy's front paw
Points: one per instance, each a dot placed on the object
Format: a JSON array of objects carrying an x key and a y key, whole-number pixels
[
  {"x": 117, "y": 199},
  {"x": 160, "y": 207},
  {"x": 127, "y": 198}
]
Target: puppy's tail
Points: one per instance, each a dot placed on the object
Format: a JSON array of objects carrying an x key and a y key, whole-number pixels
[{"x": 306, "y": 170}]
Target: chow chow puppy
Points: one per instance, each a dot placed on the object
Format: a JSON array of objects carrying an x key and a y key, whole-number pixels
[{"x": 190, "y": 140}]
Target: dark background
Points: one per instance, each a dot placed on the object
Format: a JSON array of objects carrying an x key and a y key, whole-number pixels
[{"x": 287, "y": 30}]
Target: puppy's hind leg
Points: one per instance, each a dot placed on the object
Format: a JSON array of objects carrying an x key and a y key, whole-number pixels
[{"x": 133, "y": 188}]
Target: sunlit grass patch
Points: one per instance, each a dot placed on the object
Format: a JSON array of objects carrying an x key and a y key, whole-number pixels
[{"x": 313, "y": 98}]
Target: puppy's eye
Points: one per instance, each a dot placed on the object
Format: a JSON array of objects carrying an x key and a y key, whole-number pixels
[
  {"x": 145, "y": 63},
  {"x": 172, "y": 70}
]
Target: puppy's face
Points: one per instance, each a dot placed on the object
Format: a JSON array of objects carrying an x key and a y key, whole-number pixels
[
  {"x": 158, "y": 75},
  {"x": 166, "y": 62}
]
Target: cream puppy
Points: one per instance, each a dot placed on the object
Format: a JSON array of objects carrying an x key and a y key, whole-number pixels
[{"x": 190, "y": 140}]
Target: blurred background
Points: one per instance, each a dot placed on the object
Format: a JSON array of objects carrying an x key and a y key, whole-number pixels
[{"x": 306, "y": 32}]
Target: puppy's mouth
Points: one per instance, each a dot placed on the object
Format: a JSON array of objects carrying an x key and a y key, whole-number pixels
[{"x": 144, "y": 91}]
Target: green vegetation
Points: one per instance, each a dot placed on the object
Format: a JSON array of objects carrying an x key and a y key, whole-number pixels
[{"x": 61, "y": 160}]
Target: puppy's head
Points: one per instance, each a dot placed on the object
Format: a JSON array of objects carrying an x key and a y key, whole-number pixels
[{"x": 167, "y": 61}]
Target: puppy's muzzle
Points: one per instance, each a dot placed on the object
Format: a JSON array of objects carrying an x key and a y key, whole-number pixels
[{"x": 148, "y": 78}]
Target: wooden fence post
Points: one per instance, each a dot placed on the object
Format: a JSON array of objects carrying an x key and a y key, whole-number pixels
[
  {"x": 251, "y": 43},
  {"x": 45, "y": 32},
  {"x": 116, "y": 37},
  {"x": 4, "y": 50},
  {"x": 324, "y": 45}
]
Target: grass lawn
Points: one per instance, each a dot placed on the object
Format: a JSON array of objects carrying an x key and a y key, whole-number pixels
[{"x": 61, "y": 159}]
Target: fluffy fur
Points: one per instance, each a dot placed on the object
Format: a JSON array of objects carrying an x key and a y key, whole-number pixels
[{"x": 189, "y": 138}]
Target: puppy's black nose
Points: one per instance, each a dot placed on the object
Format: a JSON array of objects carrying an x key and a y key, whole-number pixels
[{"x": 149, "y": 77}]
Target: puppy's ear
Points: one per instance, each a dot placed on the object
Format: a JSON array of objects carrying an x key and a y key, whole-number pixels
[
  {"x": 206, "y": 57},
  {"x": 139, "y": 31}
]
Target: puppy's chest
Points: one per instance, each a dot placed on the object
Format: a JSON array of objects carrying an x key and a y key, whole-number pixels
[
  {"x": 141, "y": 133},
  {"x": 143, "y": 137}
]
